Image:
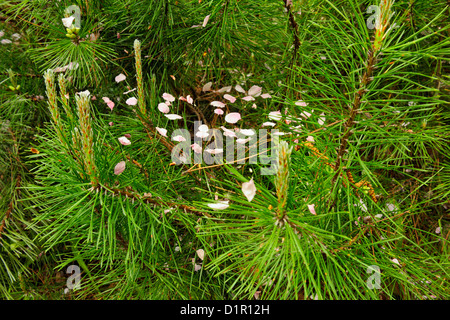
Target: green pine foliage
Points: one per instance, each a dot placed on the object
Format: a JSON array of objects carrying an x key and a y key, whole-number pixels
[{"x": 356, "y": 206}]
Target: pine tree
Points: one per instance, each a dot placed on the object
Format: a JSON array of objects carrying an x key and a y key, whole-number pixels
[{"x": 346, "y": 197}]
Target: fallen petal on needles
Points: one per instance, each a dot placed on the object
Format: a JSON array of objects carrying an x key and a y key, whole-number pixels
[
  {"x": 164, "y": 108},
  {"x": 120, "y": 78},
  {"x": 219, "y": 205},
  {"x": 173, "y": 116},
  {"x": 162, "y": 131},
  {"x": 119, "y": 168},
  {"x": 124, "y": 141},
  {"x": 131, "y": 101},
  {"x": 233, "y": 117},
  {"x": 249, "y": 189}
]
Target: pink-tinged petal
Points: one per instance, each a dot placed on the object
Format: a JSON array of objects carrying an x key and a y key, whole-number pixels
[
  {"x": 110, "y": 105},
  {"x": 312, "y": 209},
  {"x": 233, "y": 117},
  {"x": 239, "y": 89},
  {"x": 162, "y": 131},
  {"x": 242, "y": 141},
  {"x": 127, "y": 135},
  {"x": 196, "y": 148},
  {"x": 205, "y": 20},
  {"x": 119, "y": 168},
  {"x": 106, "y": 99},
  {"x": 266, "y": 96},
  {"x": 131, "y": 101},
  {"x": 438, "y": 230},
  {"x": 254, "y": 106},
  {"x": 196, "y": 26},
  {"x": 268, "y": 124},
  {"x": 124, "y": 141},
  {"x": 214, "y": 151},
  {"x": 301, "y": 103},
  {"x": 207, "y": 87},
  {"x": 305, "y": 114},
  {"x": 321, "y": 120},
  {"x": 200, "y": 253},
  {"x": 279, "y": 133},
  {"x": 182, "y": 98},
  {"x": 249, "y": 189},
  {"x": 224, "y": 89},
  {"x": 221, "y": 205},
  {"x": 218, "y": 111},
  {"x": 228, "y": 132},
  {"x": 120, "y": 78},
  {"x": 202, "y": 134},
  {"x": 395, "y": 261},
  {"x": 218, "y": 104},
  {"x": 168, "y": 97},
  {"x": 126, "y": 92},
  {"x": 247, "y": 132},
  {"x": 189, "y": 99},
  {"x": 254, "y": 91},
  {"x": 310, "y": 139},
  {"x": 248, "y": 98},
  {"x": 164, "y": 108},
  {"x": 173, "y": 116},
  {"x": 275, "y": 115},
  {"x": 179, "y": 138},
  {"x": 94, "y": 98},
  {"x": 111, "y": 124},
  {"x": 197, "y": 267},
  {"x": 229, "y": 98}
]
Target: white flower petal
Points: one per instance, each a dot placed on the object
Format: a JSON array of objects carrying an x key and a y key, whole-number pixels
[
  {"x": 131, "y": 101},
  {"x": 124, "y": 141},
  {"x": 232, "y": 117},
  {"x": 168, "y": 97},
  {"x": 200, "y": 253},
  {"x": 254, "y": 91},
  {"x": 67, "y": 22},
  {"x": 162, "y": 131},
  {"x": 218, "y": 104},
  {"x": 163, "y": 107},
  {"x": 249, "y": 189},
  {"x": 173, "y": 116},
  {"x": 219, "y": 205},
  {"x": 229, "y": 98},
  {"x": 239, "y": 89},
  {"x": 119, "y": 168},
  {"x": 120, "y": 77},
  {"x": 207, "y": 87}
]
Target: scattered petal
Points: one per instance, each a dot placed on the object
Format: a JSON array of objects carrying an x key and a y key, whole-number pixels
[
  {"x": 200, "y": 253},
  {"x": 254, "y": 106},
  {"x": 395, "y": 261},
  {"x": 205, "y": 20},
  {"x": 249, "y": 189},
  {"x": 254, "y": 91},
  {"x": 248, "y": 98},
  {"x": 242, "y": 141},
  {"x": 218, "y": 104},
  {"x": 119, "y": 168},
  {"x": 305, "y": 114},
  {"x": 321, "y": 120},
  {"x": 214, "y": 151},
  {"x": 111, "y": 124},
  {"x": 15, "y": 36},
  {"x": 131, "y": 101},
  {"x": 275, "y": 115},
  {"x": 218, "y": 111},
  {"x": 67, "y": 22},
  {"x": 196, "y": 148},
  {"x": 225, "y": 89},
  {"x": 110, "y": 105},
  {"x": 164, "y": 108},
  {"x": 268, "y": 124},
  {"x": 310, "y": 139},
  {"x": 438, "y": 230},
  {"x": 162, "y": 131},
  {"x": 126, "y": 92},
  {"x": 168, "y": 97},
  {"x": 247, "y": 132},
  {"x": 229, "y": 98},
  {"x": 197, "y": 267},
  {"x": 266, "y": 96},
  {"x": 239, "y": 89},
  {"x": 124, "y": 141},
  {"x": 312, "y": 209},
  {"x": 178, "y": 138},
  {"x": 6, "y": 41},
  {"x": 301, "y": 103},
  {"x": 120, "y": 77},
  {"x": 202, "y": 134},
  {"x": 233, "y": 117},
  {"x": 173, "y": 116},
  {"x": 189, "y": 99},
  {"x": 203, "y": 128},
  {"x": 221, "y": 205},
  {"x": 207, "y": 87}
]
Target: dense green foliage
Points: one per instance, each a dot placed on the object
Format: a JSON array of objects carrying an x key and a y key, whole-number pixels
[{"x": 362, "y": 180}]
